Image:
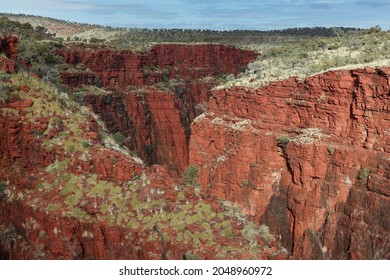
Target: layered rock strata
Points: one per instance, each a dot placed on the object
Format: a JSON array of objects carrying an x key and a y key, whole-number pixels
[{"x": 310, "y": 159}]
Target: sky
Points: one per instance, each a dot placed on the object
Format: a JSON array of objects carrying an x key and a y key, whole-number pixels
[{"x": 211, "y": 14}]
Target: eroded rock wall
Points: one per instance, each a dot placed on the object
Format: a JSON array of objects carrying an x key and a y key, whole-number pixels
[
  {"x": 124, "y": 68},
  {"x": 325, "y": 192},
  {"x": 8, "y": 48}
]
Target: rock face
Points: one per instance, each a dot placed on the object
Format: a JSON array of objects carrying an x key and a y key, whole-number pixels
[
  {"x": 8, "y": 47},
  {"x": 158, "y": 119},
  {"x": 78, "y": 78},
  {"x": 18, "y": 142},
  {"x": 160, "y": 131},
  {"x": 309, "y": 159},
  {"x": 124, "y": 68},
  {"x": 7, "y": 65},
  {"x": 196, "y": 61}
]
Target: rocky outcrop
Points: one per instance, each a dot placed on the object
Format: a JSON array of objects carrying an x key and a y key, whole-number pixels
[
  {"x": 310, "y": 159},
  {"x": 8, "y": 48},
  {"x": 196, "y": 61},
  {"x": 113, "y": 113},
  {"x": 75, "y": 79},
  {"x": 7, "y": 65},
  {"x": 115, "y": 68},
  {"x": 19, "y": 140}
]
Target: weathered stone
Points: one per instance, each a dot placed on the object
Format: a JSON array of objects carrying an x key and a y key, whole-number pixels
[{"x": 301, "y": 189}]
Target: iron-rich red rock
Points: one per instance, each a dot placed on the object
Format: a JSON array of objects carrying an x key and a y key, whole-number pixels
[
  {"x": 326, "y": 191},
  {"x": 8, "y": 47},
  {"x": 124, "y": 68}
]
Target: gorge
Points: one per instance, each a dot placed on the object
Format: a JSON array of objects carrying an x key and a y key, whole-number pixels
[{"x": 295, "y": 169}]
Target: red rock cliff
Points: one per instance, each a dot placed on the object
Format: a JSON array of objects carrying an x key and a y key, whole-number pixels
[
  {"x": 196, "y": 61},
  {"x": 123, "y": 68},
  {"x": 8, "y": 47},
  {"x": 309, "y": 159}
]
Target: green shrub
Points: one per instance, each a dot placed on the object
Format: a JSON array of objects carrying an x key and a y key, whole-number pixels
[
  {"x": 165, "y": 78},
  {"x": 108, "y": 100},
  {"x": 3, "y": 95},
  {"x": 2, "y": 188},
  {"x": 97, "y": 81},
  {"x": 179, "y": 90},
  {"x": 148, "y": 149},
  {"x": 86, "y": 144},
  {"x": 95, "y": 40},
  {"x": 71, "y": 148},
  {"x": 283, "y": 140},
  {"x": 4, "y": 85},
  {"x": 190, "y": 256},
  {"x": 4, "y": 77},
  {"x": 78, "y": 97},
  {"x": 244, "y": 183},
  {"x": 331, "y": 150},
  {"x": 57, "y": 122},
  {"x": 160, "y": 86},
  {"x": 364, "y": 173},
  {"x": 119, "y": 138},
  {"x": 190, "y": 175}
]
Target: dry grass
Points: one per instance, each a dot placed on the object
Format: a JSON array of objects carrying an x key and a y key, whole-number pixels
[
  {"x": 64, "y": 29},
  {"x": 281, "y": 61}
]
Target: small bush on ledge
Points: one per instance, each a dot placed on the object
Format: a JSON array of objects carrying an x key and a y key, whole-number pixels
[
  {"x": 331, "y": 150},
  {"x": 364, "y": 173},
  {"x": 283, "y": 140},
  {"x": 190, "y": 175},
  {"x": 119, "y": 138},
  {"x": 2, "y": 188}
]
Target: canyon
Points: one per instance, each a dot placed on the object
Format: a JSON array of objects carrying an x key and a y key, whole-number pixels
[{"x": 295, "y": 169}]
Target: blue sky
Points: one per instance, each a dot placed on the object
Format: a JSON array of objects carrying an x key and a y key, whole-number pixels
[{"x": 211, "y": 14}]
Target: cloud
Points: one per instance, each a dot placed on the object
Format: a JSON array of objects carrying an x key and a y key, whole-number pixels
[
  {"x": 374, "y": 4},
  {"x": 321, "y": 6},
  {"x": 211, "y": 14},
  {"x": 226, "y": 13},
  {"x": 106, "y": 9}
]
